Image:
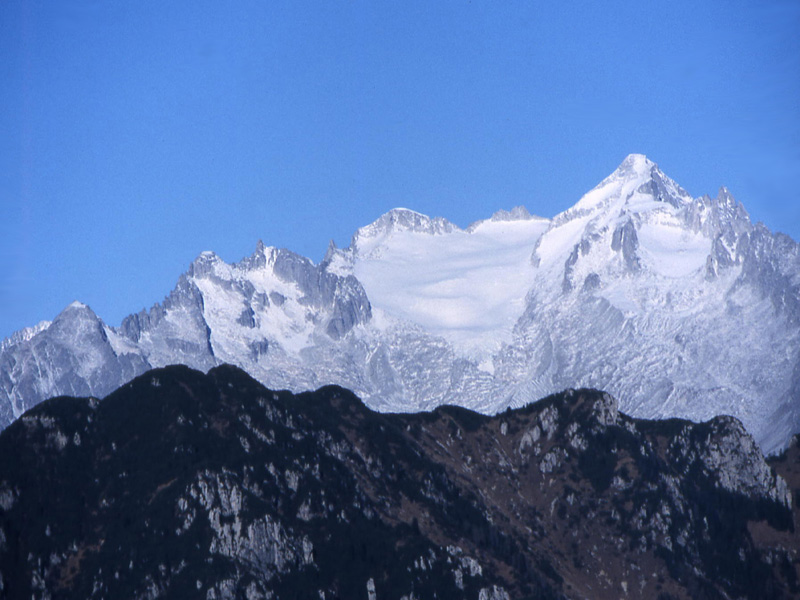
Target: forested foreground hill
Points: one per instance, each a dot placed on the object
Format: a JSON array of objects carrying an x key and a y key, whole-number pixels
[{"x": 182, "y": 484}]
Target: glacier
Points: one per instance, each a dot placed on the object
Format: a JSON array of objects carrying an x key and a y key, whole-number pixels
[{"x": 678, "y": 306}]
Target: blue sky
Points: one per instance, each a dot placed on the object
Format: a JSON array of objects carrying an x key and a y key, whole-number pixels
[{"x": 135, "y": 135}]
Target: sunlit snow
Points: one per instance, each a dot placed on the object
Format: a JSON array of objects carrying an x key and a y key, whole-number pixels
[
  {"x": 678, "y": 306},
  {"x": 466, "y": 286},
  {"x": 672, "y": 251}
]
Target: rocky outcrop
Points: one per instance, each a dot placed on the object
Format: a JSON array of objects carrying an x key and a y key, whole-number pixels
[{"x": 625, "y": 241}]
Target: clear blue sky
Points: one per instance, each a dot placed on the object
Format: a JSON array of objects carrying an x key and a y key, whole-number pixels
[{"x": 134, "y": 135}]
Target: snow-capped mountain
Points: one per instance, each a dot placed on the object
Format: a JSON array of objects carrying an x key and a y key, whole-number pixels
[{"x": 680, "y": 307}]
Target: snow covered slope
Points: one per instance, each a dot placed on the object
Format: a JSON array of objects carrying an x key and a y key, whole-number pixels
[
  {"x": 678, "y": 306},
  {"x": 468, "y": 287}
]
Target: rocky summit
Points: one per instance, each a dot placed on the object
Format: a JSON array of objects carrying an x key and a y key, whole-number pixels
[
  {"x": 184, "y": 484},
  {"x": 679, "y": 306}
]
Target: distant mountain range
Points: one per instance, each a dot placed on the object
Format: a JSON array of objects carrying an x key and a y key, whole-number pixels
[
  {"x": 189, "y": 485},
  {"x": 679, "y": 307}
]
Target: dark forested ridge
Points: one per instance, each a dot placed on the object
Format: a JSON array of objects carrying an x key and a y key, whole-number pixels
[{"x": 182, "y": 484}]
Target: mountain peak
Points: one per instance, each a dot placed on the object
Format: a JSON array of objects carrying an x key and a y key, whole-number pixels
[
  {"x": 23, "y": 335},
  {"x": 204, "y": 264},
  {"x": 495, "y": 315},
  {"x": 518, "y": 213},
  {"x": 75, "y": 319},
  {"x": 636, "y": 164},
  {"x": 77, "y": 304},
  {"x": 403, "y": 219},
  {"x": 401, "y": 210},
  {"x": 636, "y": 167},
  {"x": 76, "y": 309},
  {"x": 636, "y": 183}
]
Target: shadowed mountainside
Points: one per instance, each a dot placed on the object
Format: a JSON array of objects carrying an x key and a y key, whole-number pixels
[{"x": 213, "y": 485}]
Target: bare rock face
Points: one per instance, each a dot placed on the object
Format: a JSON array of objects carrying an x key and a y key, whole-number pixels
[
  {"x": 214, "y": 486},
  {"x": 75, "y": 354},
  {"x": 726, "y": 453}
]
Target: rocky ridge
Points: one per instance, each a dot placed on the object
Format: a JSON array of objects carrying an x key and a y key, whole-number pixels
[{"x": 212, "y": 483}]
